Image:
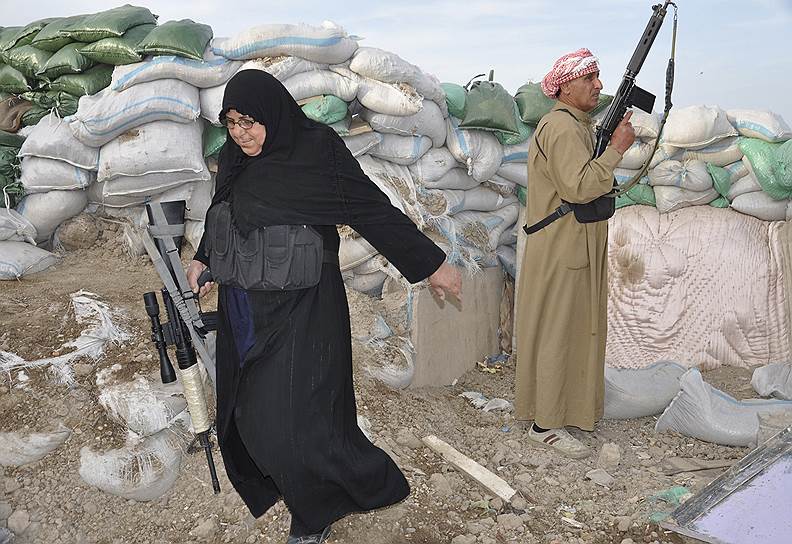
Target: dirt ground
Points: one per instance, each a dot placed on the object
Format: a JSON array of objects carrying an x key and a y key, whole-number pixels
[{"x": 47, "y": 501}]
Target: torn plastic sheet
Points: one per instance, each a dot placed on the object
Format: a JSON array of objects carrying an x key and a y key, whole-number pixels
[{"x": 98, "y": 318}]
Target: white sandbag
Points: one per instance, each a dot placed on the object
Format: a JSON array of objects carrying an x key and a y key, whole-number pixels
[
  {"x": 142, "y": 406},
  {"x": 646, "y": 125},
  {"x": 665, "y": 152},
  {"x": 500, "y": 185},
  {"x": 456, "y": 178},
  {"x": 773, "y": 380},
  {"x": 142, "y": 470},
  {"x": 384, "y": 66},
  {"x": 353, "y": 252},
  {"x": 18, "y": 259},
  {"x": 692, "y": 175},
  {"x": 199, "y": 200},
  {"x": 744, "y": 185},
  {"x": 762, "y": 124},
  {"x": 737, "y": 170},
  {"x": 483, "y": 229},
  {"x": 516, "y": 172},
  {"x": 46, "y": 211},
  {"x": 508, "y": 259},
  {"x": 193, "y": 232},
  {"x": 637, "y": 154},
  {"x": 41, "y": 175},
  {"x": 624, "y": 175},
  {"x": 210, "y": 72},
  {"x": 211, "y": 100},
  {"x": 15, "y": 228},
  {"x": 326, "y": 44},
  {"x": 632, "y": 393},
  {"x": 479, "y": 150},
  {"x": 439, "y": 202},
  {"x": 108, "y": 114},
  {"x": 282, "y": 68},
  {"x": 317, "y": 83},
  {"x": 433, "y": 165},
  {"x": 695, "y": 127},
  {"x": 376, "y": 264},
  {"x": 388, "y": 98},
  {"x": 726, "y": 151},
  {"x": 670, "y": 198},
  {"x": 52, "y": 138},
  {"x": 362, "y": 143},
  {"x": 96, "y": 198},
  {"x": 17, "y": 449},
  {"x": 516, "y": 153},
  {"x": 760, "y": 205},
  {"x": 150, "y": 184},
  {"x": 370, "y": 284},
  {"x": 396, "y": 182},
  {"x": 703, "y": 412},
  {"x": 427, "y": 122},
  {"x": 160, "y": 146},
  {"x": 402, "y": 150}
]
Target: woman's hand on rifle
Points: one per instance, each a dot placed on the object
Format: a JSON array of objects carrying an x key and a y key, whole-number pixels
[{"x": 194, "y": 270}]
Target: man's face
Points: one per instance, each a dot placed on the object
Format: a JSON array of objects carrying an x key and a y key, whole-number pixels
[{"x": 583, "y": 92}]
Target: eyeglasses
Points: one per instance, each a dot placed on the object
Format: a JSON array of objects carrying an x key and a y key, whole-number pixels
[{"x": 244, "y": 123}]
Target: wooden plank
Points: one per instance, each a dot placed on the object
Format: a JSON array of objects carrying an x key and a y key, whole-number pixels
[{"x": 481, "y": 475}]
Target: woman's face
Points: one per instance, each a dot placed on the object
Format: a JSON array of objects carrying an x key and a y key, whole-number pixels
[{"x": 250, "y": 140}]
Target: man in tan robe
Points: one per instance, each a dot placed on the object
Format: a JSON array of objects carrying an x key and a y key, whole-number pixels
[{"x": 562, "y": 308}]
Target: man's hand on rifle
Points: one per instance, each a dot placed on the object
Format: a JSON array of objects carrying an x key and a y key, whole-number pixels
[
  {"x": 624, "y": 135},
  {"x": 193, "y": 271}
]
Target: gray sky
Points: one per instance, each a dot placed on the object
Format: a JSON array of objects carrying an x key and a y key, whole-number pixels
[{"x": 734, "y": 54}]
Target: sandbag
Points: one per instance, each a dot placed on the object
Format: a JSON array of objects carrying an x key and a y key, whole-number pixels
[
  {"x": 455, "y": 96},
  {"x": 282, "y": 68},
  {"x": 106, "y": 116},
  {"x": 478, "y": 150},
  {"x": 211, "y": 71},
  {"x": 27, "y": 59},
  {"x": 8, "y": 37},
  {"x": 669, "y": 198},
  {"x": 483, "y": 229},
  {"x": 143, "y": 406},
  {"x": 40, "y": 175},
  {"x": 508, "y": 259},
  {"x": 632, "y": 393},
  {"x": 184, "y": 38},
  {"x": 326, "y": 109},
  {"x": 532, "y": 103},
  {"x": 120, "y": 50},
  {"x": 665, "y": 152},
  {"x": 517, "y": 153},
  {"x": 63, "y": 103},
  {"x": 402, "y": 150},
  {"x": 773, "y": 380},
  {"x": 642, "y": 194},
  {"x": 703, "y": 412},
  {"x": 362, "y": 143},
  {"x": 369, "y": 284},
  {"x": 159, "y": 146},
  {"x": 316, "y": 83},
  {"x": 695, "y": 127},
  {"x": 761, "y": 205},
  {"x": 433, "y": 165},
  {"x": 46, "y": 211},
  {"x": 388, "y": 98},
  {"x": 427, "y": 122},
  {"x": 388, "y": 67},
  {"x": 455, "y": 178},
  {"x": 50, "y": 38},
  {"x": 214, "y": 138},
  {"x": 637, "y": 154},
  {"x": 108, "y": 24},
  {"x": 15, "y": 228},
  {"x": 12, "y": 80},
  {"x": 211, "y": 100},
  {"x": 326, "y": 44},
  {"x": 450, "y": 201},
  {"x": 353, "y": 252},
  {"x": 67, "y": 60},
  {"x": 524, "y": 132},
  {"x": 151, "y": 183},
  {"x": 691, "y": 175},
  {"x": 89, "y": 82},
  {"x": 761, "y": 124},
  {"x": 761, "y": 159},
  {"x": 516, "y": 172},
  {"x": 746, "y": 184},
  {"x": 396, "y": 182},
  {"x": 18, "y": 259},
  {"x": 12, "y": 113},
  {"x": 52, "y": 138},
  {"x": 737, "y": 170},
  {"x": 490, "y": 107},
  {"x": 720, "y": 153},
  {"x": 721, "y": 179}
]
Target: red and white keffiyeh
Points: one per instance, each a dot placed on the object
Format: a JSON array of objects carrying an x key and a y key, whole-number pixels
[{"x": 570, "y": 66}]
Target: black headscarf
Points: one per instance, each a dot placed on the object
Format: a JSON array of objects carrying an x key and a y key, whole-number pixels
[{"x": 304, "y": 173}]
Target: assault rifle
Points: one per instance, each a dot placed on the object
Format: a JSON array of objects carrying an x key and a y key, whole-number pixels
[{"x": 187, "y": 327}]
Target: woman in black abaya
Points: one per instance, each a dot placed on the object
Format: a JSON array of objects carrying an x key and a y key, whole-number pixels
[{"x": 286, "y": 416}]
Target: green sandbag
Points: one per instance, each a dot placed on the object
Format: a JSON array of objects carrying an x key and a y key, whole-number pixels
[
  {"x": 34, "y": 115},
  {"x": 456, "y": 96},
  {"x": 532, "y": 103},
  {"x": 9, "y": 163},
  {"x": 50, "y": 38},
  {"x": 68, "y": 60},
  {"x": 623, "y": 201},
  {"x": 91, "y": 81},
  {"x": 12, "y": 187},
  {"x": 184, "y": 38},
  {"x": 720, "y": 202},
  {"x": 213, "y": 139},
  {"x": 20, "y": 36},
  {"x": 490, "y": 107},
  {"x": 764, "y": 163},
  {"x": 522, "y": 193},
  {"x": 117, "y": 51},
  {"x": 525, "y": 131},
  {"x": 11, "y": 140},
  {"x": 783, "y": 162},
  {"x": 12, "y": 80},
  {"x": 721, "y": 179},
  {"x": 327, "y": 109},
  {"x": 642, "y": 194},
  {"x": 64, "y": 103},
  {"x": 8, "y": 37},
  {"x": 108, "y": 24},
  {"x": 27, "y": 59}
]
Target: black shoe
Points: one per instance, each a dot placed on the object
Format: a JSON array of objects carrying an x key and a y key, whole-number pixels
[{"x": 317, "y": 538}]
